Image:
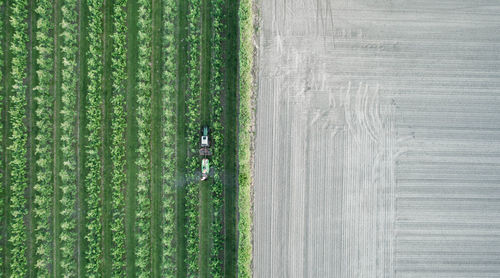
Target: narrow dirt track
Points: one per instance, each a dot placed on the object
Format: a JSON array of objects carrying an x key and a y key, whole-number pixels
[{"x": 377, "y": 139}]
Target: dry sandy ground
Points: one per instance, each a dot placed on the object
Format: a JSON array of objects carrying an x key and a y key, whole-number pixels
[{"x": 378, "y": 139}]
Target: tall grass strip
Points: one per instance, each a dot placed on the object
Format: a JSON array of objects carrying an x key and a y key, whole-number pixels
[{"x": 245, "y": 135}]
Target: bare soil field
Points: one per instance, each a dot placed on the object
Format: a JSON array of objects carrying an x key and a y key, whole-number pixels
[{"x": 377, "y": 139}]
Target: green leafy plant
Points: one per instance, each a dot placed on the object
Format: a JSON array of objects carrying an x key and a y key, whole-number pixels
[
  {"x": 93, "y": 162},
  {"x": 168, "y": 119},
  {"x": 43, "y": 151},
  {"x": 68, "y": 138},
  {"x": 18, "y": 139},
  {"x": 118, "y": 126},
  {"x": 143, "y": 213},
  {"x": 193, "y": 129},
  {"x": 216, "y": 269}
]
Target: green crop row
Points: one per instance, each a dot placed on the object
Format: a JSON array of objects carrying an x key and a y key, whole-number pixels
[
  {"x": 245, "y": 135},
  {"x": 168, "y": 268},
  {"x": 217, "y": 140},
  {"x": 94, "y": 118},
  {"x": 18, "y": 139},
  {"x": 68, "y": 138},
  {"x": 118, "y": 147},
  {"x": 43, "y": 151},
  {"x": 193, "y": 134},
  {"x": 2, "y": 93},
  {"x": 143, "y": 213}
]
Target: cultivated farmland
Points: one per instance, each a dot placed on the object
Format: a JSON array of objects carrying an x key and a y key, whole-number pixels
[
  {"x": 377, "y": 139},
  {"x": 102, "y": 106}
]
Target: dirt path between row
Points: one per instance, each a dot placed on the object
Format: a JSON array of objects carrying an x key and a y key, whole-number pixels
[
  {"x": 30, "y": 122},
  {"x": 205, "y": 198},
  {"x": 230, "y": 122},
  {"x": 56, "y": 216},
  {"x": 181, "y": 143},
  {"x": 81, "y": 127},
  {"x": 131, "y": 135}
]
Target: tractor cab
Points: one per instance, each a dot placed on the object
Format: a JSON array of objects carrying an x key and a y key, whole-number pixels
[
  {"x": 205, "y": 143},
  {"x": 204, "y": 152}
]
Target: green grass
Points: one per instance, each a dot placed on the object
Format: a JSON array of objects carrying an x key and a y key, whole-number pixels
[
  {"x": 81, "y": 124},
  {"x": 245, "y": 136},
  {"x": 181, "y": 149},
  {"x": 230, "y": 136},
  {"x": 205, "y": 198},
  {"x": 131, "y": 135},
  {"x": 31, "y": 131}
]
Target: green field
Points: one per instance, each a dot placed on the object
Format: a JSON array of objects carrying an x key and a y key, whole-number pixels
[{"x": 102, "y": 106}]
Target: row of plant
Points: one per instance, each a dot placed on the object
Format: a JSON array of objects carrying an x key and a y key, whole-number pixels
[
  {"x": 43, "y": 151},
  {"x": 68, "y": 138},
  {"x": 2, "y": 15},
  {"x": 118, "y": 147},
  {"x": 2, "y": 94},
  {"x": 143, "y": 213},
  {"x": 193, "y": 131},
  {"x": 216, "y": 254},
  {"x": 18, "y": 139},
  {"x": 246, "y": 53},
  {"x": 168, "y": 268},
  {"x": 94, "y": 118}
]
